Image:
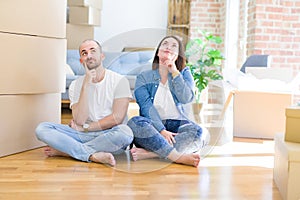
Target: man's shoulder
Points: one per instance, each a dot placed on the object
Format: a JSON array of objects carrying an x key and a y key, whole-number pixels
[{"x": 114, "y": 74}]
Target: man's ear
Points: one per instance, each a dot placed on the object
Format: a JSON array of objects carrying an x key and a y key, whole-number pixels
[
  {"x": 102, "y": 56},
  {"x": 80, "y": 60}
]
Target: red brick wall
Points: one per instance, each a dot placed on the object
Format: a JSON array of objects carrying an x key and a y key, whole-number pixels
[
  {"x": 273, "y": 28},
  {"x": 205, "y": 15}
]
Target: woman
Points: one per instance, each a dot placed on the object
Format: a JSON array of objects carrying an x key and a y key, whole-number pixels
[{"x": 163, "y": 130}]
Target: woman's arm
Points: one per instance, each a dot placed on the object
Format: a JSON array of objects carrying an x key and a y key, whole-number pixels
[
  {"x": 145, "y": 100},
  {"x": 182, "y": 86}
]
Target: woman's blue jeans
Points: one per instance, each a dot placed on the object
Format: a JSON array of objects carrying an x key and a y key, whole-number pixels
[
  {"x": 80, "y": 145},
  {"x": 189, "y": 136}
]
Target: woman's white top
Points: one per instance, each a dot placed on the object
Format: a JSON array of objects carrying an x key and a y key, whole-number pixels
[{"x": 164, "y": 103}]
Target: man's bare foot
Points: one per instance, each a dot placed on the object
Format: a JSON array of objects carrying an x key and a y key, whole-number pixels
[
  {"x": 50, "y": 152},
  {"x": 103, "y": 157},
  {"x": 141, "y": 154},
  {"x": 189, "y": 159}
]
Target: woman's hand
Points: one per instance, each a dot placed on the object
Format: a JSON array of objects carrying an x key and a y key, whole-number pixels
[
  {"x": 169, "y": 136},
  {"x": 170, "y": 65}
]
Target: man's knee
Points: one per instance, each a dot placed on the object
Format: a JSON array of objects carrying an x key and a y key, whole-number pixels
[{"x": 42, "y": 130}]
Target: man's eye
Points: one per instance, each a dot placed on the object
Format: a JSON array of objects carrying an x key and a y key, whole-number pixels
[{"x": 83, "y": 53}]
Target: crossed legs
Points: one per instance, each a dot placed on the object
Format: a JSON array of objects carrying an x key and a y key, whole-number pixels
[
  {"x": 192, "y": 159},
  {"x": 98, "y": 157}
]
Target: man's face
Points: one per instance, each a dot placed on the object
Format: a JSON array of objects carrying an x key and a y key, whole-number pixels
[{"x": 90, "y": 55}]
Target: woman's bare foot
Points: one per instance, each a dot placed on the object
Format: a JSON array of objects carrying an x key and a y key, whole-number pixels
[
  {"x": 192, "y": 159},
  {"x": 141, "y": 154},
  {"x": 103, "y": 157},
  {"x": 189, "y": 159},
  {"x": 50, "y": 152}
]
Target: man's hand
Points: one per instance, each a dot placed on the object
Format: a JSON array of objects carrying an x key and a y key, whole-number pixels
[
  {"x": 90, "y": 75},
  {"x": 75, "y": 126}
]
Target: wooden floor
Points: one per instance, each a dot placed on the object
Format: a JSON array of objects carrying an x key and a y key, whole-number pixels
[{"x": 230, "y": 169}]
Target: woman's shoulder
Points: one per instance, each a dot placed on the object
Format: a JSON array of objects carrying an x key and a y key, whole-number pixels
[{"x": 148, "y": 73}]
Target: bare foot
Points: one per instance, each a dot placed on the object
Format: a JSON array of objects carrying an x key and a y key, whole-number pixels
[
  {"x": 103, "y": 157},
  {"x": 50, "y": 152},
  {"x": 141, "y": 154},
  {"x": 189, "y": 159}
]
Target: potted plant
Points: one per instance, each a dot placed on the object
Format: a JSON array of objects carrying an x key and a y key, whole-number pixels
[{"x": 204, "y": 60}]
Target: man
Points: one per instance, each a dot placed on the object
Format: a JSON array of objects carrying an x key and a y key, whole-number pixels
[{"x": 99, "y": 103}]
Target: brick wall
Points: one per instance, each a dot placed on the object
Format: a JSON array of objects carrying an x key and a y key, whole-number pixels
[
  {"x": 273, "y": 27},
  {"x": 265, "y": 27}
]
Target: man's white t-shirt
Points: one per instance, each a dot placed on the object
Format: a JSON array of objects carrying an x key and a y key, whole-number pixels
[{"x": 102, "y": 94}]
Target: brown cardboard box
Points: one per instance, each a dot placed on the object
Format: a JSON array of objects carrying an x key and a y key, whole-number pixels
[
  {"x": 41, "y": 18},
  {"x": 19, "y": 116},
  {"x": 31, "y": 65},
  {"x": 84, "y": 16},
  {"x": 85, "y": 3},
  {"x": 259, "y": 114},
  {"x": 77, "y": 33},
  {"x": 286, "y": 172},
  {"x": 292, "y": 127}
]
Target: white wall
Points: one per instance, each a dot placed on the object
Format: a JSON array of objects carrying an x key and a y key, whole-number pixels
[{"x": 132, "y": 23}]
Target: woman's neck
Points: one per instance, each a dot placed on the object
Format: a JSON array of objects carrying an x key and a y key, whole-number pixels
[{"x": 163, "y": 72}]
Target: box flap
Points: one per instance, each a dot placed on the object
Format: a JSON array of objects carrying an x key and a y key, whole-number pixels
[{"x": 293, "y": 112}]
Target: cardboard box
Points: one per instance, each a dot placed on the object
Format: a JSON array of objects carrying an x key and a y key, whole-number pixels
[
  {"x": 259, "y": 114},
  {"x": 42, "y": 18},
  {"x": 286, "y": 172},
  {"x": 77, "y": 33},
  {"x": 292, "y": 128},
  {"x": 20, "y": 115},
  {"x": 85, "y": 3},
  {"x": 31, "y": 65},
  {"x": 84, "y": 16}
]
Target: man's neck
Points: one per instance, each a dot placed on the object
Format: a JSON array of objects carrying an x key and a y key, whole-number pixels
[{"x": 100, "y": 74}]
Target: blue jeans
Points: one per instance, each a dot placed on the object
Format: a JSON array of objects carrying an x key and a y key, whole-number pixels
[
  {"x": 80, "y": 145},
  {"x": 189, "y": 136}
]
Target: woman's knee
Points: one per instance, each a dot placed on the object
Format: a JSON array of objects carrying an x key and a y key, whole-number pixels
[
  {"x": 126, "y": 130},
  {"x": 192, "y": 128},
  {"x": 138, "y": 121}
]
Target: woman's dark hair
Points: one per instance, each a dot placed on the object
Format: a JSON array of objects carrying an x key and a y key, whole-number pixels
[{"x": 181, "y": 60}]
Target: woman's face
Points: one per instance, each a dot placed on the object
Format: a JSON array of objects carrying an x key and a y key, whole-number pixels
[{"x": 168, "y": 49}]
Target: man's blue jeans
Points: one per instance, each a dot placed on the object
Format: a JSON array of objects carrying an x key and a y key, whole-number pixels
[
  {"x": 80, "y": 145},
  {"x": 189, "y": 136}
]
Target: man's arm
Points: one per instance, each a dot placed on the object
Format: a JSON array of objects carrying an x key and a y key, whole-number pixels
[
  {"x": 119, "y": 112},
  {"x": 80, "y": 110}
]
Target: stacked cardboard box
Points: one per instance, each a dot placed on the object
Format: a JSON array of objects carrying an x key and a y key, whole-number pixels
[
  {"x": 292, "y": 128},
  {"x": 32, "y": 75},
  {"x": 83, "y": 16},
  {"x": 287, "y": 156},
  {"x": 286, "y": 171}
]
